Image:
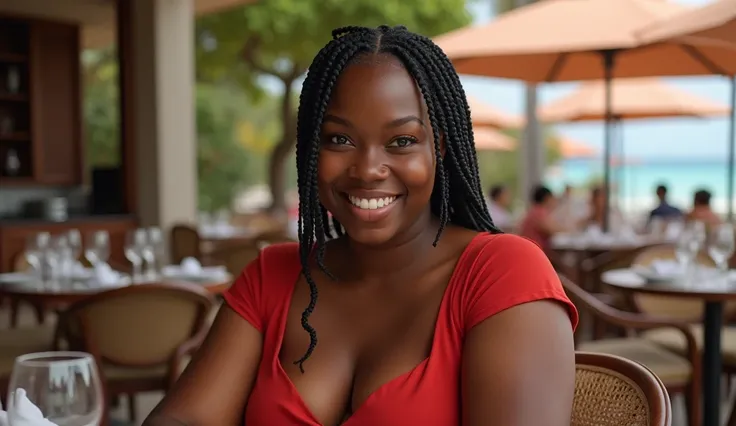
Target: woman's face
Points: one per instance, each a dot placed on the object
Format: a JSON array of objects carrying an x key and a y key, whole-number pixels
[{"x": 376, "y": 161}]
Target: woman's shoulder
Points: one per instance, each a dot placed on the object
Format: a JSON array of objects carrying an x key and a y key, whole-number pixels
[
  {"x": 265, "y": 282},
  {"x": 499, "y": 271}
]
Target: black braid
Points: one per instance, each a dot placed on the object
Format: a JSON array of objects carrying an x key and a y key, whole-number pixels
[{"x": 457, "y": 197}]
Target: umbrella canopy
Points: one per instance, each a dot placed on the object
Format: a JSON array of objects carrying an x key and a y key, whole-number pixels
[
  {"x": 570, "y": 148},
  {"x": 562, "y": 40},
  {"x": 716, "y": 21},
  {"x": 486, "y": 115},
  {"x": 489, "y": 139},
  {"x": 632, "y": 99}
]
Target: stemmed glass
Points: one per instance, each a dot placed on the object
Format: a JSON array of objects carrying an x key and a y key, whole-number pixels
[
  {"x": 65, "y": 386},
  {"x": 154, "y": 250},
  {"x": 135, "y": 244},
  {"x": 36, "y": 246},
  {"x": 97, "y": 249},
  {"x": 74, "y": 238},
  {"x": 722, "y": 246},
  {"x": 686, "y": 249}
]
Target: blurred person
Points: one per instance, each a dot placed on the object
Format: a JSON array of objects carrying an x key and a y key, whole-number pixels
[
  {"x": 396, "y": 319},
  {"x": 499, "y": 205},
  {"x": 569, "y": 210},
  {"x": 702, "y": 210},
  {"x": 598, "y": 210},
  {"x": 664, "y": 210},
  {"x": 538, "y": 224}
]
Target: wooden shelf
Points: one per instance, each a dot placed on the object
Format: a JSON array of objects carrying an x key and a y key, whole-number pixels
[
  {"x": 13, "y": 97},
  {"x": 16, "y": 137},
  {"x": 17, "y": 181},
  {"x": 15, "y": 58}
]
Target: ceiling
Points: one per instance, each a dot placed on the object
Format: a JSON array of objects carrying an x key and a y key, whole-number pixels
[{"x": 96, "y": 16}]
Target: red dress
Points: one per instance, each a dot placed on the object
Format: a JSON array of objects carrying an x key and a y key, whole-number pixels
[{"x": 494, "y": 273}]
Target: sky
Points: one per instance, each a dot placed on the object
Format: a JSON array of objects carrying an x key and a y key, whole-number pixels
[{"x": 684, "y": 138}]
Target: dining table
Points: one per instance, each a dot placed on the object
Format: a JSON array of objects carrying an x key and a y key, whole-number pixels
[{"x": 713, "y": 289}]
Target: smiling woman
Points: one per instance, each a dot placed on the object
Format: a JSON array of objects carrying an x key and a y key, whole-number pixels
[{"x": 427, "y": 314}]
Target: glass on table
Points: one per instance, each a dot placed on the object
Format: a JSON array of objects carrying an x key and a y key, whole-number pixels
[
  {"x": 36, "y": 246},
  {"x": 722, "y": 246},
  {"x": 154, "y": 251},
  {"x": 136, "y": 241},
  {"x": 74, "y": 237},
  {"x": 97, "y": 249},
  {"x": 65, "y": 386}
]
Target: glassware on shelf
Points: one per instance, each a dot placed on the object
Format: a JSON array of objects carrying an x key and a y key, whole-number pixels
[
  {"x": 12, "y": 163},
  {"x": 13, "y": 80}
]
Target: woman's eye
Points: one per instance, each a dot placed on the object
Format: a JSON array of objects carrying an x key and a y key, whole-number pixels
[
  {"x": 402, "y": 142},
  {"x": 339, "y": 140}
]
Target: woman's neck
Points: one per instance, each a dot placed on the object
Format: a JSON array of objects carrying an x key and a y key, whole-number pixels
[{"x": 406, "y": 250}]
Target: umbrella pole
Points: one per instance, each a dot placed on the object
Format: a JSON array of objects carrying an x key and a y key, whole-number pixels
[
  {"x": 608, "y": 64},
  {"x": 731, "y": 142}
]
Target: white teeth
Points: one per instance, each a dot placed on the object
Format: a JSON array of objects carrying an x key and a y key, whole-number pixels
[{"x": 371, "y": 203}]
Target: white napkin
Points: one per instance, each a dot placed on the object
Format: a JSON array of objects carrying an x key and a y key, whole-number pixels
[
  {"x": 105, "y": 275},
  {"x": 23, "y": 412},
  {"x": 667, "y": 268},
  {"x": 191, "y": 266}
]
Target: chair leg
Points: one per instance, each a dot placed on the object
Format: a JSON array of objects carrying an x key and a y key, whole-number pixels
[
  {"x": 692, "y": 406},
  {"x": 131, "y": 407}
]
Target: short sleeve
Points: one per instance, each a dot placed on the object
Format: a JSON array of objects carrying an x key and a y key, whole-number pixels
[
  {"x": 505, "y": 271},
  {"x": 263, "y": 282}
]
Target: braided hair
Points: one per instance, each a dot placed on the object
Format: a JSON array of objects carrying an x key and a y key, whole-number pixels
[{"x": 457, "y": 196}]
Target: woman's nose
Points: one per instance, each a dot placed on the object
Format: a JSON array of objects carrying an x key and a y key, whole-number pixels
[{"x": 370, "y": 165}]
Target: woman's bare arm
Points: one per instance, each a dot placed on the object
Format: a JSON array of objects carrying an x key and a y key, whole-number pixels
[
  {"x": 519, "y": 368},
  {"x": 215, "y": 387}
]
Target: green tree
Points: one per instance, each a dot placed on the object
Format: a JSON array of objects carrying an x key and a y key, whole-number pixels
[
  {"x": 101, "y": 108},
  {"x": 279, "y": 38},
  {"x": 224, "y": 165},
  {"x": 501, "y": 167}
]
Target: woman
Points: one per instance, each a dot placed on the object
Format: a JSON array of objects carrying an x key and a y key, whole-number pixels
[
  {"x": 538, "y": 224},
  {"x": 418, "y": 312}
]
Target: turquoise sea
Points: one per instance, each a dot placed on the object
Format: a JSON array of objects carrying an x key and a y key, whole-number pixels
[{"x": 637, "y": 181}]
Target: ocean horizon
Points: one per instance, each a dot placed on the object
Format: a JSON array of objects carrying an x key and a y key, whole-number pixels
[{"x": 636, "y": 179}]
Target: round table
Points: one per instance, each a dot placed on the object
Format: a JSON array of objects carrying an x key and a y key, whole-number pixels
[
  {"x": 714, "y": 292},
  {"x": 63, "y": 295}
]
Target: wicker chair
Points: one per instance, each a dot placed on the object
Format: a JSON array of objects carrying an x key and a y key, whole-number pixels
[
  {"x": 680, "y": 373},
  {"x": 141, "y": 336},
  {"x": 613, "y": 391},
  {"x": 184, "y": 242}
]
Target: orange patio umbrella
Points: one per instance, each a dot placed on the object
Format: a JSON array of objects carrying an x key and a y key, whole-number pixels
[
  {"x": 632, "y": 98},
  {"x": 571, "y": 148},
  {"x": 567, "y": 40},
  {"x": 486, "y": 115},
  {"x": 489, "y": 139},
  {"x": 715, "y": 21}
]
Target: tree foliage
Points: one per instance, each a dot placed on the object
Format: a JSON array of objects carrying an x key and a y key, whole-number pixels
[{"x": 279, "y": 38}]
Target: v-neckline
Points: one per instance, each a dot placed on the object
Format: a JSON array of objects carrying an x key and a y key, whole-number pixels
[{"x": 422, "y": 365}]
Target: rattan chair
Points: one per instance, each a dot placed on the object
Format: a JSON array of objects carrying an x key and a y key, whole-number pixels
[
  {"x": 614, "y": 391},
  {"x": 680, "y": 373}
]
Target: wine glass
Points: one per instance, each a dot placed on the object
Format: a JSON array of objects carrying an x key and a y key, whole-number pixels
[
  {"x": 686, "y": 248},
  {"x": 36, "y": 246},
  {"x": 97, "y": 249},
  {"x": 722, "y": 246},
  {"x": 135, "y": 243},
  {"x": 74, "y": 238},
  {"x": 154, "y": 250},
  {"x": 65, "y": 386}
]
